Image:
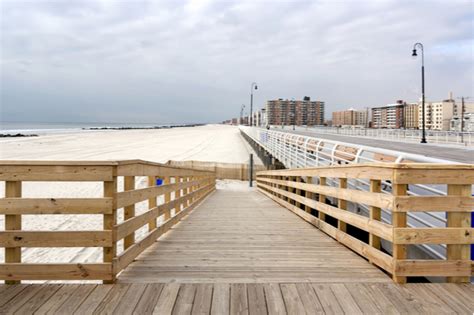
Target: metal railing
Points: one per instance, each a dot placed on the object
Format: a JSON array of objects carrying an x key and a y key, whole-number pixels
[
  {"x": 298, "y": 151},
  {"x": 403, "y": 135}
]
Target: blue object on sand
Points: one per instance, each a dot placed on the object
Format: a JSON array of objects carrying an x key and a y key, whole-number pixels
[{"x": 159, "y": 181}]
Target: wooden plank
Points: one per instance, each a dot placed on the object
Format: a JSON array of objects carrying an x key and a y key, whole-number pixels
[
  {"x": 431, "y": 175},
  {"x": 13, "y": 223},
  {"x": 126, "y": 198},
  {"x": 274, "y": 298},
  {"x": 292, "y": 300},
  {"x": 126, "y": 227},
  {"x": 9, "y": 291},
  {"x": 55, "y": 205},
  {"x": 152, "y": 203},
  {"x": 460, "y": 220},
  {"x": 51, "y": 271},
  {"x": 372, "y": 171},
  {"x": 38, "y": 299},
  {"x": 143, "y": 168},
  {"x": 256, "y": 299},
  {"x": 167, "y": 181},
  {"x": 202, "y": 300},
  {"x": 109, "y": 221},
  {"x": 310, "y": 300},
  {"x": 129, "y": 211},
  {"x": 372, "y": 226},
  {"x": 308, "y": 194},
  {"x": 177, "y": 194},
  {"x": 52, "y": 305},
  {"x": 167, "y": 299},
  {"x": 342, "y": 204},
  {"x": 375, "y": 256},
  {"x": 433, "y": 236},
  {"x": 375, "y": 213},
  {"x": 238, "y": 299},
  {"x": 75, "y": 300},
  {"x": 127, "y": 256},
  {"x": 357, "y": 196},
  {"x": 434, "y": 268},
  {"x": 345, "y": 299},
  {"x": 18, "y": 300},
  {"x": 399, "y": 220},
  {"x": 364, "y": 299},
  {"x": 327, "y": 299},
  {"x": 93, "y": 300},
  {"x": 433, "y": 203},
  {"x": 149, "y": 299},
  {"x": 185, "y": 299},
  {"x": 13, "y": 238},
  {"x": 56, "y": 173},
  {"x": 129, "y": 300},
  {"x": 221, "y": 299}
]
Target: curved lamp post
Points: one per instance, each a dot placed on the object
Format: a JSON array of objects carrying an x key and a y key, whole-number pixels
[
  {"x": 252, "y": 87},
  {"x": 414, "y": 54}
]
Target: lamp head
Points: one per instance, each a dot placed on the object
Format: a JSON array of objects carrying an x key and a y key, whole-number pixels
[
  {"x": 256, "y": 87},
  {"x": 414, "y": 53}
]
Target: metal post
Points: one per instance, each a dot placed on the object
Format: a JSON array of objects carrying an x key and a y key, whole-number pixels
[
  {"x": 251, "y": 170},
  {"x": 423, "y": 137}
]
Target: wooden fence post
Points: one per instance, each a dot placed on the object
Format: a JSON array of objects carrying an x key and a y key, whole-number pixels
[
  {"x": 458, "y": 220},
  {"x": 342, "y": 204},
  {"x": 110, "y": 220},
  {"x": 167, "y": 181},
  {"x": 322, "y": 199},
  {"x": 12, "y": 222},
  {"x": 309, "y": 180},
  {"x": 152, "y": 202},
  {"x": 297, "y": 191},
  {"x": 129, "y": 211},
  {"x": 177, "y": 195},
  {"x": 375, "y": 213},
  {"x": 188, "y": 191},
  {"x": 399, "y": 220}
]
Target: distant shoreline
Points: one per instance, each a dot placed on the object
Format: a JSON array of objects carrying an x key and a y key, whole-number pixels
[
  {"x": 17, "y": 135},
  {"x": 142, "y": 128}
]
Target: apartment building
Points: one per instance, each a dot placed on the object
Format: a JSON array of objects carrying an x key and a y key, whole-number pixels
[
  {"x": 389, "y": 116},
  {"x": 411, "y": 116},
  {"x": 295, "y": 112},
  {"x": 467, "y": 124},
  {"x": 350, "y": 117}
]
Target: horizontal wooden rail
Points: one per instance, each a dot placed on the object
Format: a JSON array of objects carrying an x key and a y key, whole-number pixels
[
  {"x": 327, "y": 208},
  {"x": 65, "y": 271},
  {"x": 55, "y": 238},
  {"x": 183, "y": 190},
  {"x": 56, "y": 206}
]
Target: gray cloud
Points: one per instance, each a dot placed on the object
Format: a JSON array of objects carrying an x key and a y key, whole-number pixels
[{"x": 183, "y": 61}]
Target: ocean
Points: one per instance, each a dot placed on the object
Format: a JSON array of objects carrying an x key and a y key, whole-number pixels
[{"x": 28, "y": 128}]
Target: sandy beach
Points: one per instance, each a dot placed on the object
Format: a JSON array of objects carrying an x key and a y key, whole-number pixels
[{"x": 215, "y": 143}]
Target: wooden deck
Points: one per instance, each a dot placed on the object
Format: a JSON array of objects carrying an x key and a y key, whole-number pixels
[
  {"x": 243, "y": 236},
  {"x": 238, "y": 298},
  {"x": 241, "y": 253}
]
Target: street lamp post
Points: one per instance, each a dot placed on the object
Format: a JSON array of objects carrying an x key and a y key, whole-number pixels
[
  {"x": 252, "y": 87},
  {"x": 241, "y": 113},
  {"x": 414, "y": 54}
]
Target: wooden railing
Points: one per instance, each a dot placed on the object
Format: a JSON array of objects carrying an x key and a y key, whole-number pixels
[
  {"x": 304, "y": 191},
  {"x": 182, "y": 189}
]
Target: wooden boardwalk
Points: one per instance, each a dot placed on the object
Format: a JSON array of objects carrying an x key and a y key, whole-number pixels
[
  {"x": 238, "y": 298},
  {"x": 243, "y": 236},
  {"x": 241, "y": 253}
]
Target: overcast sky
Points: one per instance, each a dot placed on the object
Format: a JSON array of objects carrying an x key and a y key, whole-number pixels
[{"x": 193, "y": 61}]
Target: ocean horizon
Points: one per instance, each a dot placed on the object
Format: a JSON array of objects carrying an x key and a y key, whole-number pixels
[{"x": 24, "y": 127}]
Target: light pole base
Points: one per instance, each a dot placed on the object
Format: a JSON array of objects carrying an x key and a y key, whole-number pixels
[{"x": 423, "y": 141}]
